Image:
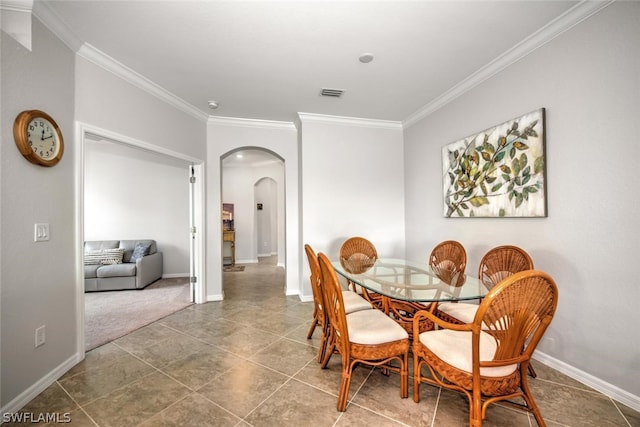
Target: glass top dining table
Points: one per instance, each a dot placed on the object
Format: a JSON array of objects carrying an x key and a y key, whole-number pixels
[{"x": 409, "y": 281}]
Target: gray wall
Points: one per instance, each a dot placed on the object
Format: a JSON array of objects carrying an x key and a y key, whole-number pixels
[
  {"x": 352, "y": 185},
  {"x": 38, "y": 282},
  {"x": 587, "y": 79},
  {"x": 106, "y": 101}
]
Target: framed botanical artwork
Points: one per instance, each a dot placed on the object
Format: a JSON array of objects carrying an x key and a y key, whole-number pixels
[{"x": 499, "y": 172}]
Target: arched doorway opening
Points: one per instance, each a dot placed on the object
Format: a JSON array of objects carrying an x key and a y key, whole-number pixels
[{"x": 252, "y": 182}]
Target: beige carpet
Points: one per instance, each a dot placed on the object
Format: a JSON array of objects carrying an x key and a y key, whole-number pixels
[{"x": 110, "y": 315}]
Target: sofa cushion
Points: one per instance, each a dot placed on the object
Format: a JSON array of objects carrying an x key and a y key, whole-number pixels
[
  {"x": 104, "y": 256},
  {"x": 129, "y": 246},
  {"x": 141, "y": 249},
  {"x": 116, "y": 270},
  {"x": 97, "y": 245}
]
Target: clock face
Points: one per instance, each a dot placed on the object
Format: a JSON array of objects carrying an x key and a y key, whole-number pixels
[
  {"x": 38, "y": 138},
  {"x": 43, "y": 138}
]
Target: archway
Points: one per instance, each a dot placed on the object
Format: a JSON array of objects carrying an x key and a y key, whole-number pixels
[{"x": 252, "y": 180}]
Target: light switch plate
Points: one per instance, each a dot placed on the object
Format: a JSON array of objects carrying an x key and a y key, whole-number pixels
[{"x": 41, "y": 232}]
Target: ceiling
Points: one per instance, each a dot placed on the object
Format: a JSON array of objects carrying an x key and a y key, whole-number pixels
[{"x": 269, "y": 60}]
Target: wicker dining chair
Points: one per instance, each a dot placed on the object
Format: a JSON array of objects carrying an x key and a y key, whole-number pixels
[
  {"x": 352, "y": 301},
  {"x": 357, "y": 255},
  {"x": 448, "y": 260},
  {"x": 367, "y": 337},
  {"x": 319, "y": 314},
  {"x": 487, "y": 359},
  {"x": 497, "y": 264}
]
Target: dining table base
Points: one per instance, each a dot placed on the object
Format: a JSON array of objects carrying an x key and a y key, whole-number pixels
[{"x": 403, "y": 311}]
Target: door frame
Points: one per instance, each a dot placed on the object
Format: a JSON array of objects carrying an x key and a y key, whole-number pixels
[{"x": 196, "y": 206}]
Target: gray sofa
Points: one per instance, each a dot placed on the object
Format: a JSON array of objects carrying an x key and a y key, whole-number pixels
[{"x": 104, "y": 271}]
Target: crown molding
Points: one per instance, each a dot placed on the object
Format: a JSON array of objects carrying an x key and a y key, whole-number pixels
[
  {"x": 562, "y": 23},
  {"x": 15, "y": 20},
  {"x": 350, "y": 121},
  {"x": 101, "y": 59},
  {"x": 253, "y": 123},
  {"x": 52, "y": 21},
  {"x": 17, "y": 5}
]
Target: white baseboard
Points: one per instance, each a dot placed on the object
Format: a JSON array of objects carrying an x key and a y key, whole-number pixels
[
  {"x": 217, "y": 297},
  {"x": 35, "y": 389},
  {"x": 597, "y": 384}
]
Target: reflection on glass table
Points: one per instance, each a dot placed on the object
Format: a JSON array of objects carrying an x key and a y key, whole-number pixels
[{"x": 408, "y": 286}]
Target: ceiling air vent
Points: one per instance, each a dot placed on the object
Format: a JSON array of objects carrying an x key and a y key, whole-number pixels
[{"x": 336, "y": 93}]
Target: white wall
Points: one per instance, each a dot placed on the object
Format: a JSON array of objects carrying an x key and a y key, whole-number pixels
[
  {"x": 224, "y": 136},
  {"x": 37, "y": 280},
  {"x": 131, "y": 194},
  {"x": 587, "y": 79},
  {"x": 352, "y": 185}
]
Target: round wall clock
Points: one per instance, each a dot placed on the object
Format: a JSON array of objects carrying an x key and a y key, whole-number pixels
[{"x": 38, "y": 137}]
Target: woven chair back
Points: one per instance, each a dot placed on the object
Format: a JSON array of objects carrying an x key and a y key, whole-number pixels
[
  {"x": 501, "y": 262},
  {"x": 448, "y": 260},
  {"x": 357, "y": 255},
  {"x": 334, "y": 305},
  {"x": 316, "y": 284},
  {"x": 517, "y": 312}
]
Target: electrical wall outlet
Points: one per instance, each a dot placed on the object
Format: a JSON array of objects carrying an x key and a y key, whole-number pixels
[{"x": 41, "y": 335}]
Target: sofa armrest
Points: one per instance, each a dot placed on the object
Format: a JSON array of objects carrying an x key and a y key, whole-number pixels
[{"x": 148, "y": 269}]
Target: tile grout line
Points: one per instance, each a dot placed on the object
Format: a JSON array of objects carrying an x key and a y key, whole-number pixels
[{"x": 80, "y": 407}]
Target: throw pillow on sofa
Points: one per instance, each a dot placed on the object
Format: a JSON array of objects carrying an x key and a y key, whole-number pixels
[
  {"x": 139, "y": 251},
  {"x": 104, "y": 256}
]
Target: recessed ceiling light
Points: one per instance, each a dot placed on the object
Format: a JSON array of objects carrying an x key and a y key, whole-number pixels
[
  {"x": 239, "y": 156},
  {"x": 365, "y": 58},
  {"x": 213, "y": 104}
]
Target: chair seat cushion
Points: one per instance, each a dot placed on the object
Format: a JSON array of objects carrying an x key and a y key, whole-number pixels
[
  {"x": 371, "y": 327},
  {"x": 461, "y": 311},
  {"x": 454, "y": 348},
  {"x": 354, "y": 302}
]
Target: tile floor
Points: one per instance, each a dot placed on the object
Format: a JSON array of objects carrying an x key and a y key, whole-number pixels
[{"x": 246, "y": 361}]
